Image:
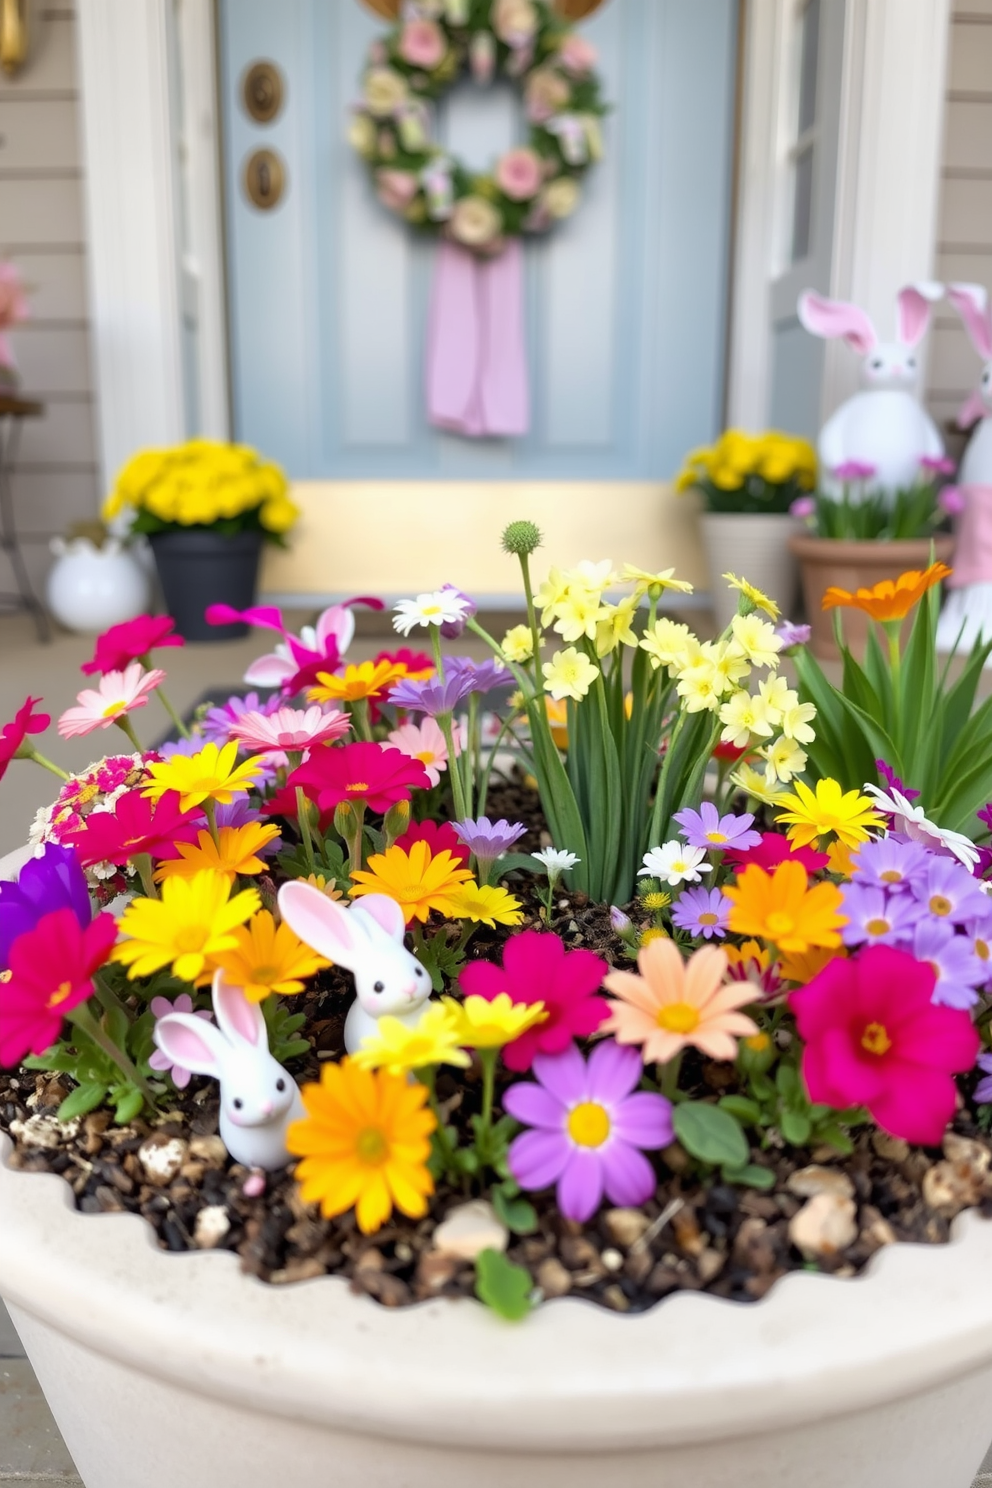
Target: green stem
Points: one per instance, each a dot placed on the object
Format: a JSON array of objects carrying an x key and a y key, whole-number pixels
[
  {"x": 83, "y": 1019},
  {"x": 427, "y": 1078},
  {"x": 892, "y": 628},
  {"x": 211, "y": 813},
  {"x": 108, "y": 999},
  {"x": 487, "y": 1058},
  {"x": 360, "y": 718},
  {"x": 457, "y": 789},
  {"x": 47, "y": 764},
  {"x": 143, "y": 863},
  {"x": 535, "y": 634},
  {"x": 355, "y": 840},
  {"x": 670, "y": 1077},
  {"x": 303, "y": 817},
  {"x": 125, "y": 726},
  {"x": 184, "y": 731}
]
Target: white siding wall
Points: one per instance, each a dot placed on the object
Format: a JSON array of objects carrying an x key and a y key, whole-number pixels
[{"x": 41, "y": 229}]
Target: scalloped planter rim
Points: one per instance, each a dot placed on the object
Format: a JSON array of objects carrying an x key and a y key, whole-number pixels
[{"x": 163, "y": 1369}]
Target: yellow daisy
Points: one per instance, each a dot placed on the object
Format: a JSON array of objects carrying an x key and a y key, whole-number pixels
[
  {"x": 418, "y": 880},
  {"x": 193, "y": 922},
  {"x": 484, "y": 903},
  {"x": 400, "y": 1049},
  {"x": 846, "y": 814},
  {"x": 758, "y": 599},
  {"x": 211, "y": 775},
  {"x": 481, "y": 1024}
]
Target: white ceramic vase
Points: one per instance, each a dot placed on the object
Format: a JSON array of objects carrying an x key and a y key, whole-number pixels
[
  {"x": 91, "y": 588},
  {"x": 179, "y": 1369},
  {"x": 754, "y": 547}
]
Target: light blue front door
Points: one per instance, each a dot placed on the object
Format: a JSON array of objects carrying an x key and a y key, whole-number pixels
[{"x": 626, "y": 302}]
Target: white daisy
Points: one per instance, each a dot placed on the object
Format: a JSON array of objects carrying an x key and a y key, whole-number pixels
[
  {"x": 556, "y": 861},
  {"x": 913, "y": 822},
  {"x": 443, "y": 607},
  {"x": 674, "y": 863}
]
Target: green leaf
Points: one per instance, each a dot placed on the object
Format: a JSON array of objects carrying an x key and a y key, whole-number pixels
[
  {"x": 128, "y": 1104},
  {"x": 747, "y": 1111},
  {"x": 712, "y": 1135},
  {"x": 83, "y": 1099},
  {"x": 796, "y": 1127},
  {"x": 836, "y": 1138},
  {"x": 752, "y": 1175},
  {"x": 517, "y": 1214},
  {"x": 503, "y": 1285}
]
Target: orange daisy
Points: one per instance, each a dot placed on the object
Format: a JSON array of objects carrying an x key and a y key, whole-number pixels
[
  {"x": 674, "y": 1003},
  {"x": 418, "y": 880},
  {"x": 369, "y": 679},
  {"x": 781, "y": 907},
  {"x": 803, "y": 966},
  {"x": 888, "y": 600}
]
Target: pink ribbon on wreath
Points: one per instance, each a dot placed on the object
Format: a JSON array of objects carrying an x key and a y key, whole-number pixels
[{"x": 477, "y": 380}]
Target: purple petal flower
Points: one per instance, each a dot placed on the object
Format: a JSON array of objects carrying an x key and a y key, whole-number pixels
[
  {"x": 959, "y": 971},
  {"x": 937, "y": 464},
  {"x": 485, "y": 675},
  {"x": 890, "y": 863},
  {"x": 53, "y": 880},
  {"x": 979, "y": 934},
  {"x": 431, "y": 696},
  {"x": 983, "y": 1090},
  {"x": 985, "y": 815},
  {"x": 452, "y": 629},
  {"x": 793, "y": 635},
  {"x": 702, "y": 911},
  {"x": 952, "y": 501},
  {"x": 488, "y": 840},
  {"x": 707, "y": 829},
  {"x": 217, "y": 723},
  {"x": 949, "y": 892},
  {"x": 187, "y": 747},
  {"x": 854, "y": 470},
  {"x": 892, "y": 779},
  {"x": 803, "y": 507},
  {"x": 590, "y": 1129},
  {"x": 876, "y": 917},
  {"x": 161, "y": 1007}
]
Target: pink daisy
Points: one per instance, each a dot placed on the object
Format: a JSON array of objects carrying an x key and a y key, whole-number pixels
[
  {"x": 117, "y": 694},
  {"x": 289, "y": 728},
  {"x": 426, "y": 743}
]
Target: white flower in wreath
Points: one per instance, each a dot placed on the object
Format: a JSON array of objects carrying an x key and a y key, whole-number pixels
[
  {"x": 514, "y": 21},
  {"x": 546, "y": 92},
  {"x": 475, "y": 222},
  {"x": 385, "y": 90},
  {"x": 560, "y": 198},
  {"x": 361, "y": 135}
]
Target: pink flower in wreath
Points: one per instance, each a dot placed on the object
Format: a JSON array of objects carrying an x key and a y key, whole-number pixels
[
  {"x": 519, "y": 174},
  {"x": 546, "y": 93},
  {"x": 422, "y": 44},
  {"x": 577, "y": 55},
  {"x": 395, "y": 188}
]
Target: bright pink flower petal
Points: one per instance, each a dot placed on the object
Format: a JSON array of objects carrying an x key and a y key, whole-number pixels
[
  {"x": 580, "y": 1187},
  {"x": 918, "y": 1106},
  {"x": 483, "y": 979}
]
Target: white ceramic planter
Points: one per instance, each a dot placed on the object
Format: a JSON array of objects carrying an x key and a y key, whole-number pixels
[
  {"x": 165, "y": 1370},
  {"x": 755, "y": 547},
  {"x": 90, "y": 588}
]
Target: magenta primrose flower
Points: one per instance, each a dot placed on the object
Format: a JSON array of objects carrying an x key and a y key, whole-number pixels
[
  {"x": 707, "y": 829},
  {"x": 893, "y": 782},
  {"x": 702, "y": 911},
  {"x": 590, "y": 1129}
]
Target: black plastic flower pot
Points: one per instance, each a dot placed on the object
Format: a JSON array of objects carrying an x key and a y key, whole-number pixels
[{"x": 201, "y": 568}]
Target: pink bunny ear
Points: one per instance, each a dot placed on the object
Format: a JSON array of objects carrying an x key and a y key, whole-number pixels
[
  {"x": 830, "y": 318},
  {"x": 191, "y": 1043},
  {"x": 325, "y": 926},
  {"x": 913, "y": 309},
  {"x": 236, "y": 1016},
  {"x": 386, "y": 913},
  {"x": 971, "y": 301}
]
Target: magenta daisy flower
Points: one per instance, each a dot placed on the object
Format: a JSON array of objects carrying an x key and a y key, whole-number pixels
[
  {"x": 706, "y": 828},
  {"x": 288, "y": 728},
  {"x": 702, "y": 911},
  {"x": 591, "y": 1129},
  {"x": 117, "y": 694}
]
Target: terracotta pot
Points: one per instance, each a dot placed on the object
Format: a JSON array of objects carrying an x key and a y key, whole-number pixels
[
  {"x": 754, "y": 547},
  {"x": 825, "y": 562}
]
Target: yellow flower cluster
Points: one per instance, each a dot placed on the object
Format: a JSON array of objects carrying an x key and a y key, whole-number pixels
[
  {"x": 775, "y": 457},
  {"x": 713, "y": 676},
  {"x": 203, "y": 482}
]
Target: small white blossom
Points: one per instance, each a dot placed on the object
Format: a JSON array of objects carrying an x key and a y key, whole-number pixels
[
  {"x": 556, "y": 861},
  {"x": 674, "y": 863},
  {"x": 443, "y": 607}
]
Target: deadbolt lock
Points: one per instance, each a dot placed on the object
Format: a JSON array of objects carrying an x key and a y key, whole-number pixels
[
  {"x": 265, "y": 179},
  {"x": 262, "y": 91}
]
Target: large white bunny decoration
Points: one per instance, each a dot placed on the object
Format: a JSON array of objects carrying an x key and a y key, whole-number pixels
[
  {"x": 258, "y": 1098},
  {"x": 968, "y": 611},
  {"x": 884, "y": 426},
  {"x": 366, "y": 940}
]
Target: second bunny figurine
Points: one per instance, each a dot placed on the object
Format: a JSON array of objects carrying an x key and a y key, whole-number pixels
[{"x": 366, "y": 940}]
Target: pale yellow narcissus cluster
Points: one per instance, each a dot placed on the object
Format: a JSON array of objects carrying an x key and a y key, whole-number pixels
[
  {"x": 774, "y": 457},
  {"x": 203, "y": 482},
  {"x": 713, "y": 676}
]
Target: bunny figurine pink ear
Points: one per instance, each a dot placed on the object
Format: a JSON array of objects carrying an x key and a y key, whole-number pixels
[
  {"x": 191, "y": 1043},
  {"x": 913, "y": 309},
  {"x": 386, "y": 913},
  {"x": 328, "y": 928},
  {"x": 831, "y": 318},
  {"x": 241, "y": 1020},
  {"x": 971, "y": 301}
]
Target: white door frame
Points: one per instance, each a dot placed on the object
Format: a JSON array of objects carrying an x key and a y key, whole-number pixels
[{"x": 888, "y": 180}]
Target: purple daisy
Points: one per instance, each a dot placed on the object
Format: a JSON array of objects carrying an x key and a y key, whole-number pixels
[
  {"x": 706, "y": 828},
  {"x": 452, "y": 629},
  {"x": 877, "y": 918},
  {"x": 983, "y": 1090},
  {"x": 430, "y": 695},
  {"x": 488, "y": 840},
  {"x": 217, "y": 722},
  {"x": 890, "y": 863},
  {"x": 793, "y": 635},
  {"x": 483, "y": 675},
  {"x": 702, "y": 911},
  {"x": 949, "y": 892},
  {"x": 959, "y": 971},
  {"x": 592, "y": 1129},
  {"x": 979, "y": 934}
]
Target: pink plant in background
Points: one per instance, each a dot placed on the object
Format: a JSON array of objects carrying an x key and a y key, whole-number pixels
[
  {"x": 875, "y": 1038},
  {"x": 422, "y": 44},
  {"x": 803, "y": 507},
  {"x": 289, "y": 728},
  {"x": 854, "y": 470},
  {"x": 577, "y": 55},
  {"x": 14, "y": 309},
  {"x": 519, "y": 174},
  {"x": 117, "y": 695},
  {"x": 396, "y": 188},
  {"x": 296, "y": 660},
  {"x": 131, "y": 641},
  {"x": 591, "y": 1127},
  {"x": 952, "y": 501},
  {"x": 937, "y": 465}
]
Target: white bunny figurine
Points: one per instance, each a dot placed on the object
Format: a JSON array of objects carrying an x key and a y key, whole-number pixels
[
  {"x": 884, "y": 426},
  {"x": 258, "y": 1098},
  {"x": 968, "y": 612},
  {"x": 367, "y": 940}
]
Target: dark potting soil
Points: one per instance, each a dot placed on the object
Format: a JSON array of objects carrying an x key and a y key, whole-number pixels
[{"x": 825, "y": 1212}]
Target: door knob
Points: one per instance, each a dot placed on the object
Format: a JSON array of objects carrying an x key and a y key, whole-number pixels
[
  {"x": 262, "y": 91},
  {"x": 265, "y": 179}
]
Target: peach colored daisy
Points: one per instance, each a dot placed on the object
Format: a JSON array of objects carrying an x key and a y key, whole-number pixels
[{"x": 674, "y": 1003}]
